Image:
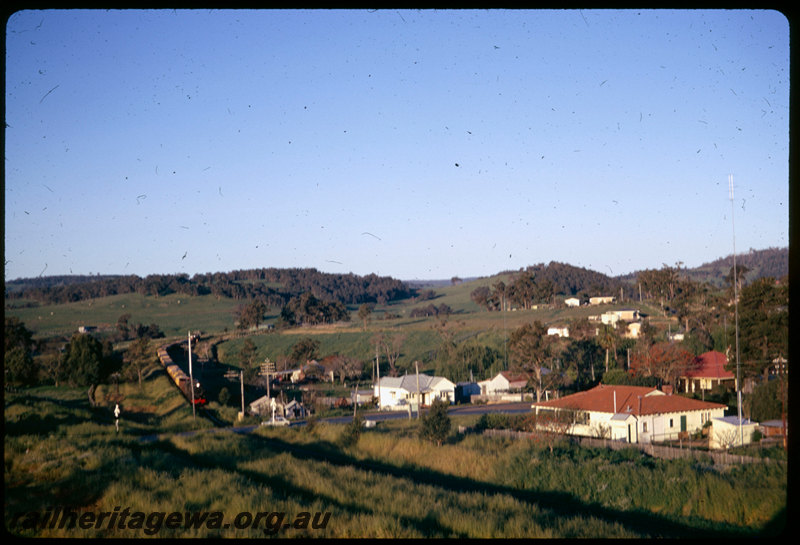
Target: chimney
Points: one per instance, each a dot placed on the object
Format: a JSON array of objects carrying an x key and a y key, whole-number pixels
[{"x": 615, "y": 402}]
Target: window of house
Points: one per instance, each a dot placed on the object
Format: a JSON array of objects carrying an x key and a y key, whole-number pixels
[
  {"x": 670, "y": 423},
  {"x": 644, "y": 427}
]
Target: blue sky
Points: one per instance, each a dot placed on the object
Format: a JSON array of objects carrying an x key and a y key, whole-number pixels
[{"x": 413, "y": 144}]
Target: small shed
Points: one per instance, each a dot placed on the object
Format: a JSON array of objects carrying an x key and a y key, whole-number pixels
[
  {"x": 726, "y": 432},
  {"x": 465, "y": 391},
  {"x": 294, "y": 410},
  {"x": 261, "y": 406},
  {"x": 773, "y": 428}
]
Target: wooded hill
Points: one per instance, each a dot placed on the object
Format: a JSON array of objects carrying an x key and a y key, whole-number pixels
[
  {"x": 773, "y": 262},
  {"x": 276, "y": 287}
]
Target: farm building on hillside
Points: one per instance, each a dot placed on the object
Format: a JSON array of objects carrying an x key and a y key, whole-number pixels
[
  {"x": 562, "y": 331},
  {"x": 634, "y": 414},
  {"x": 601, "y": 300},
  {"x": 613, "y": 316},
  {"x": 396, "y": 393},
  {"x": 572, "y": 302},
  {"x": 634, "y": 329}
]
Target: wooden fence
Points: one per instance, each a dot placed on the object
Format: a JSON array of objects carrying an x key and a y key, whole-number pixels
[{"x": 657, "y": 451}]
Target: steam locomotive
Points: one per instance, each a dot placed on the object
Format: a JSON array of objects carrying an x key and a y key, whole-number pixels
[{"x": 180, "y": 378}]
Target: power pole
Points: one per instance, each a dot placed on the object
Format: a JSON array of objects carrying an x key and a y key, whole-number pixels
[
  {"x": 378, "y": 370},
  {"x": 736, "y": 313},
  {"x": 355, "y": 400},
  {"x": 419, "y": 401},
  {"x": 191, "y": 377},
  {"x": 267, "y": 370}
]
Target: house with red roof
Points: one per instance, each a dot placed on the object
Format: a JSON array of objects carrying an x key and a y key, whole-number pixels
[
  {"x": 634, "y": 414},
  {"x": 705, "y": 372}
]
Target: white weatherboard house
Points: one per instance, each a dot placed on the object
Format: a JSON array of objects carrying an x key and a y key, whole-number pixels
[
  {"x": 396, "y": 393},
  {"x": 503, "y": 383},
  {"x": 634, "y": 414}
]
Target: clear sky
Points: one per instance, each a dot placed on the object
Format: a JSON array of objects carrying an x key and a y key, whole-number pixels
[{"x": 412, "y": 144}]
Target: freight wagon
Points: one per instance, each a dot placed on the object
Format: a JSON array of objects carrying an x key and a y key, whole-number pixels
[{"x": 179, "y": 378}]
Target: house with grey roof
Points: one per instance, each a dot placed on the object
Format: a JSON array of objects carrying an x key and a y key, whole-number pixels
[{"x": 397, "y": 393}]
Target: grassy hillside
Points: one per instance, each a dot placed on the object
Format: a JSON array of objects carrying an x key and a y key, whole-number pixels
[
  {"x": 174, "y": 314},
  {"x": 388, "y": 484},
  {"x": 421, "y": 339}
]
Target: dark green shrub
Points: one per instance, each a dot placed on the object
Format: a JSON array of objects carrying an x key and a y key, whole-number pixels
[
  {"x": 436, "y": 423},
  {"x": 351, "y": 432}
]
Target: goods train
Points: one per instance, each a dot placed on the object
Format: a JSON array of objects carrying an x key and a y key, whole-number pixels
[{"x": 180, "y": 378}]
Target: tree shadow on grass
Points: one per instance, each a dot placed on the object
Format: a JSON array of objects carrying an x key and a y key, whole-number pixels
[
  {"x": 282, "y": 487},
  {"x": 35, "y": 424},
  {"x": 555, "y": 505},
  {"x": 559, "y": 504}
]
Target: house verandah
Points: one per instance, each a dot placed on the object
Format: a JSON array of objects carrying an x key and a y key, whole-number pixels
[
  {"x": 706, "y": 372},
  {"x": 398, "y": 393},
  {"x": 630, "y": 414}
]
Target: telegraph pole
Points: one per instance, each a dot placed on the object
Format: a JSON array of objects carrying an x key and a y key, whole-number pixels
[
  {"x": 378, "y": 371},
  {"x": 267, "y": 370},
  {"x": 419, "y": 401},
  {"x": 736, "y": 313},
  {"x": 191, "y": 377}
]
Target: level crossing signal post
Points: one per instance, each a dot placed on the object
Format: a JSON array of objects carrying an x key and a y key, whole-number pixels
[{"x": 267, "y": 370}]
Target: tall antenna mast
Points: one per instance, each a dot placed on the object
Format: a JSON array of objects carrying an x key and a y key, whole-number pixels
[{"x": 736, "y": 313}]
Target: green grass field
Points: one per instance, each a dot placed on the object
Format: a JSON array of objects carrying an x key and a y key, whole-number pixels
[{"x": 174, "y": 314}]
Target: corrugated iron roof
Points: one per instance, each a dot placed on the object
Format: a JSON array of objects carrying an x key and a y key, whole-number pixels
[
  {"x": 653, "y": 401},
  {"x": 709, "y": 365}
]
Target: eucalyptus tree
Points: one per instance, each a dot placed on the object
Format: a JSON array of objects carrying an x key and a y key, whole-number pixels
[{"x": 533, "y": 353}]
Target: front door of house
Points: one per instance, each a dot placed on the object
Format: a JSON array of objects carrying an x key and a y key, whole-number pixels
[{"x": 683, "y": 422}]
